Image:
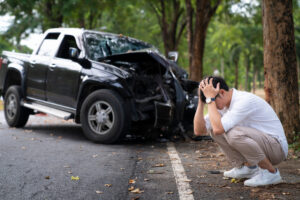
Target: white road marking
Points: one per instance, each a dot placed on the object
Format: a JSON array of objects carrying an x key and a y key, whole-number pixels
[{"x": 183, "y": 186}]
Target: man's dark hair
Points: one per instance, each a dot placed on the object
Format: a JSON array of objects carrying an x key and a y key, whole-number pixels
[{"x": 216, "y": 80}]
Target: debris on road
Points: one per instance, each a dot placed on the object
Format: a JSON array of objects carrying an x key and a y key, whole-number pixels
[
  {"x": 151, "y": 171},
  {"x": 137, "y": 191},
  {"x": 159, "y": 165},
  {"x": 74, "y": 178},
  {"x": 131, "y": 181},
  {"x": 214, "y": 172},
  {"x": 107, "y": 185},
  {"x": 131, "y": 188}
]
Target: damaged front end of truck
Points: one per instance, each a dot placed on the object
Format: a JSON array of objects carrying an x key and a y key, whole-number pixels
[{"x": 162, "y": 97}]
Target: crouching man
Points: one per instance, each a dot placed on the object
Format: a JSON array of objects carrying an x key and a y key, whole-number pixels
[{"x": 246, "y": 128}]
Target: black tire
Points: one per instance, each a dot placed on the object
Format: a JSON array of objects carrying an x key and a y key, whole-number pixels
[
  {"x": 104, "y": 126},
  {"x": 15, "y": 114}
]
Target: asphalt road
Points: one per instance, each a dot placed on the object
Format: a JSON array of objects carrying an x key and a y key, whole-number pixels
[
  {"x": 37, "y": 163},
  {"x": 39, "y": 160}
]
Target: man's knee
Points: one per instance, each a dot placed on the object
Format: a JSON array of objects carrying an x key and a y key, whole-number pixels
[{"x": 235, "y": 135}]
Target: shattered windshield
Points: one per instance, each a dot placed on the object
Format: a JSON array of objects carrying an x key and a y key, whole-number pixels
[{"x": 103, "y": 45}]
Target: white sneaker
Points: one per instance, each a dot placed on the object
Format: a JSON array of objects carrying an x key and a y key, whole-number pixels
[
  {"x": 264, "y": 177},
  {"x": 242, "y": 172}
]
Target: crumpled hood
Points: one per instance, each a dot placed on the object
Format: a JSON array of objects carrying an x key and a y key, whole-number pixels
[{"x": 146, "y": 55}]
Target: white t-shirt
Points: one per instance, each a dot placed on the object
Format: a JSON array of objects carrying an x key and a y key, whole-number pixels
[{"x": 249, "y": 110}]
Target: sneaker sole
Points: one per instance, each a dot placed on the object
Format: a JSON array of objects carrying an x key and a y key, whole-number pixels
[
  {"x": 254, "y": 185},
  {"x": 241, "y": 177}
]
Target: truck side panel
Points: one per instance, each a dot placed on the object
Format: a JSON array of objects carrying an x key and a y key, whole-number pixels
[
  {"x": 12, "y": 71},
  {"x": 3, "y": 70}
]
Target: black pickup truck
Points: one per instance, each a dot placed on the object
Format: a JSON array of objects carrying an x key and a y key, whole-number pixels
[{"x": 111, "y": 84}]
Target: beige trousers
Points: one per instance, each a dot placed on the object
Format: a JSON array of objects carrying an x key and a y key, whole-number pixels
[{"x": 244, "y": 144}]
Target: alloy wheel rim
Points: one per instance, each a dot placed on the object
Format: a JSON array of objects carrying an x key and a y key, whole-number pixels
[
  {"x": 11, "y": 106},
  {"x": 101, "y": 117}
]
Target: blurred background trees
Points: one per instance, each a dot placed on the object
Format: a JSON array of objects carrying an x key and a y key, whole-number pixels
[{"x": 221, "y": 37}]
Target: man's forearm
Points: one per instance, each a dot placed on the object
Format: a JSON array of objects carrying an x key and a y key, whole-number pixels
[
  {"x": 199, "y": 122},
  {"x": 215, "y": 119}
]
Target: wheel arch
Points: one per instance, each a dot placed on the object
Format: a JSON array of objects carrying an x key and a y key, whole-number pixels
[
  {"x": 91, "y": 85},
  {"x": 14, "y": 76}
]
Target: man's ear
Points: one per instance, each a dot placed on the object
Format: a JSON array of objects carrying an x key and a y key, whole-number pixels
[{"x": 221, "y": 92}]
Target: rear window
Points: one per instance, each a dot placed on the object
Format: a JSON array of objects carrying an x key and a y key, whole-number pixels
[{"x": 49, "y": 45}]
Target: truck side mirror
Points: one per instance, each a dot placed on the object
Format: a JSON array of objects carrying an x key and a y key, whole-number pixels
[
  {"x": 173, "y": 55},
  {"x": 73, "y": 53}
]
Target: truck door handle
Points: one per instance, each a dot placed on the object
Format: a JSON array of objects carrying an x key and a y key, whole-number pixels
[
  {"x": 52, "y": 66},
  {"x": 33, "y": 62}
]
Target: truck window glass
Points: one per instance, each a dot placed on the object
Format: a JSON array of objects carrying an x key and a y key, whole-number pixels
[
  {"x": 68, "y": 41},
  {"x": 102, "y": 45},
  {"x": 49, "y": 45}
]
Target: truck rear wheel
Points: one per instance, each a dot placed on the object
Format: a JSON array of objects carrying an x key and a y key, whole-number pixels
[
  {"x": 15, "y": 114},
  {"x": 103, "y": 117}
]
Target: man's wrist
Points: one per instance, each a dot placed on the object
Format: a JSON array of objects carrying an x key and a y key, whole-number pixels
[
  {"x": 212, "y": 103},
  {"x": 209, "y": 100}
]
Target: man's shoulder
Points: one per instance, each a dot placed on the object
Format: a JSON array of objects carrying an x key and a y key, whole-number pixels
[
  {"x": 247, "y": 95},
  {"x": 247, "y": 99}
]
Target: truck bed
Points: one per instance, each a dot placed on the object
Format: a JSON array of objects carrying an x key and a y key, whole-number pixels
[{"x": 13, "y": 55}]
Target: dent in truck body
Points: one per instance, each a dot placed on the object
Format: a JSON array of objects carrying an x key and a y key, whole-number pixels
[{"x": 157, "y": 93}]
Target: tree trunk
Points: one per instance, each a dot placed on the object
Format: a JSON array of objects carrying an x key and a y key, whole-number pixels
[
  {"x": 172, "y": 23},
  {"x": 236, "y": 82},
  {"x": 254, "y": 79},
  {"x": 198, "y": 53},
  {"x": 298, "y": 64},
  {"x": 247, "y": 62},
  {"x": 51, "y": 19},
  {"x": 259, "y": 79},
  {"x": 204, "y": 11},
  {"x": 222, "y": 67},
  {"x": 81, "y": 20},
  {"x": 189, "y": 19},
  {"x": 280, "y": 64}
]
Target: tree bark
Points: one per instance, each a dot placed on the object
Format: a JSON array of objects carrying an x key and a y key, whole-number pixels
[
  {"x": 222, "y": 67},
  {"x": 198, "y": 53},
  {"x": 259, "y": 79},
  {"x": 53, "y": 18},
  {"x": 254, "y": 79},
  {"x": 190, "y": 31},
  {"x": 236, "y": 81},
  {"x": 247, "y": 63},
  {"x": 196, "y": 36},
  {"x": 172, "y": 23},
  {"x": 280, "y": 64},
  {"x": 81, "y": 20}
]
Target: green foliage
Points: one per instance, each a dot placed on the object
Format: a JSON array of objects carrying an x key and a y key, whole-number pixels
[
  {"x": 235, "y": 37},
  {"x": 5, "y": 45},
  {"x": 231, "y": 36},
  {"x": 296, "y": 142}
]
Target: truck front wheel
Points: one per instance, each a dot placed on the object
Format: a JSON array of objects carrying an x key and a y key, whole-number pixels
[
  {"x": 15, "y": 114},
  {"x": 103, "y": 117}
]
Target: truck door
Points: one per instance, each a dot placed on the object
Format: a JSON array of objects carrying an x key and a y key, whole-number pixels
[
  {"x": 38, "y": 66},
  {"x": 63, "y": 75}
]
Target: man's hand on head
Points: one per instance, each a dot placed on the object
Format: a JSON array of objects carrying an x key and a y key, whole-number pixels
[{"x": 208, "y": 89}]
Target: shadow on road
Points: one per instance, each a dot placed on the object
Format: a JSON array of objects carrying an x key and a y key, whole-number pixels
[
  {"x": 65, "y": 131},
  {"x": 75, "y": 133}
]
